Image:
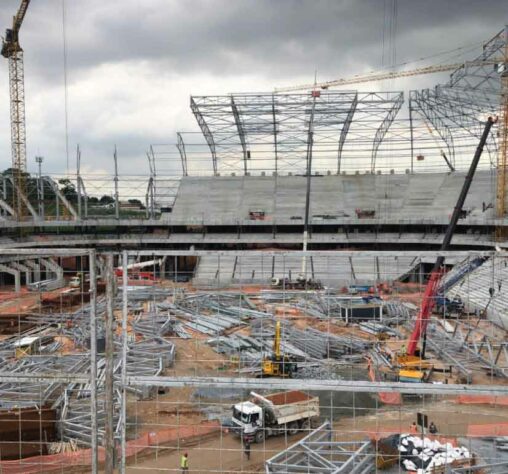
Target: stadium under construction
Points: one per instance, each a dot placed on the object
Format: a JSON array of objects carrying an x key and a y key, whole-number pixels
[{"x": 321, "y": 288}]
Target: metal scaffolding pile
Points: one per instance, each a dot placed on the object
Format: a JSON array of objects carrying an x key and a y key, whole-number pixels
[
  {"x": 148, "y": 356},
  {"x": 462, "y": 349},
  {"x": 75, "y": 381},
  {"x": 33, "y": 392}
]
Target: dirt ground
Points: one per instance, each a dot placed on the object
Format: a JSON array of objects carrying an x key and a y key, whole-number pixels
[
  {"x": 10, "y": 303},
  {"x": 176, "y": 407},
  {"x": 224, "y": 453}
]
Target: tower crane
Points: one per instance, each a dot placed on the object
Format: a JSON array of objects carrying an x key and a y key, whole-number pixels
[{"x": 12, "y": 50}]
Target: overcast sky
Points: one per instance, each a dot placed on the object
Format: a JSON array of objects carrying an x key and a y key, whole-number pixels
[{"x": 132, "y": 64}]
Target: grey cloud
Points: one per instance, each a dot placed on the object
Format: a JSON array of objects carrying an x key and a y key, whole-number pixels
[
  {"x": 224, "y": 36},
  {"x": 277, "y": 42}
]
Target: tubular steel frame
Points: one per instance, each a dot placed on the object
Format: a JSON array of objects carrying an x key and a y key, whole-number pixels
[{"x": 240, "y": 128}]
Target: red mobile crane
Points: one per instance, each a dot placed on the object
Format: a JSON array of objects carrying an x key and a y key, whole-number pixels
[{"x": 429, "y": 296}]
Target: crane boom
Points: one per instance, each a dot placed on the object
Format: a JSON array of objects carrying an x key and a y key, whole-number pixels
[
  {"x": 381, "y": 76},
  {"x": 20, "y": 16},
  {"x": 429, "y": 296}
]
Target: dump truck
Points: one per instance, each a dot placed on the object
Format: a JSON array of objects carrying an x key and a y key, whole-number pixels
[{"x": 275, "y": 414}]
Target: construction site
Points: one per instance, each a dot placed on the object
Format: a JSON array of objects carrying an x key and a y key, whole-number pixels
[{"x": 322, "y": 288}]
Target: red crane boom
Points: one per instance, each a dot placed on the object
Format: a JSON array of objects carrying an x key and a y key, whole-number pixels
[{"x": 429, "y": 296}]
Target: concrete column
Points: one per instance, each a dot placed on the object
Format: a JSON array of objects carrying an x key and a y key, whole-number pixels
[
  {"x": 101, "y": 266},
  {"x": 162, "y": 267},
  {"x": 25, "y": 269},
  {"x": 54, "y": 267},
  {"x": 17, "y": 276},
  {"x": 36, "y": 267}
]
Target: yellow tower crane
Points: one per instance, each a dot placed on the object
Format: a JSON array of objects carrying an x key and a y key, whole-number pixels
[
  {"x": 11, "y": 49},
  {"x": 502, "y": 157},
  {"x": 382, "y": 76}
]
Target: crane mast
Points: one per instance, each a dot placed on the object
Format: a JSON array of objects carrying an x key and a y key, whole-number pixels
[
  {"x": 13, "y": 52},
  {"x": 502, "y": 158}
]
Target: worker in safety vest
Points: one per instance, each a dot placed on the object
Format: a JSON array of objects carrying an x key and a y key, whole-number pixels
[{"x": 184, "y": 463}]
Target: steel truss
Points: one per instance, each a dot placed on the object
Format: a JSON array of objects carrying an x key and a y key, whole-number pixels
[
  {"x": 183, "y": 155},
  {"x": 457, "y": 108},
  {"x": 245, "y": 131},
  {"x": 162, "y": 189},
  {"x": 317, "y": 452}
]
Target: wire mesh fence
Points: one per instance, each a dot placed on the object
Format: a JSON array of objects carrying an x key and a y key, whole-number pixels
[{"x": 251, "y": 361}]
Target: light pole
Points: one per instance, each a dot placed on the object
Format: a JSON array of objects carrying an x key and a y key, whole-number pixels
[{"x": 40, "y": 188}]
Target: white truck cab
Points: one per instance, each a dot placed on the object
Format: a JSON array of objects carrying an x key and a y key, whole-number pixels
[
  {"x": 270, "y": 415},
  {"x": 248, "y": 417}
]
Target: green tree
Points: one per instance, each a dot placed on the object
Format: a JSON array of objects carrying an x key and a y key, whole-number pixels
[
  {"x": 106, "y": 200},
  {"x": 68, "y": 189}
]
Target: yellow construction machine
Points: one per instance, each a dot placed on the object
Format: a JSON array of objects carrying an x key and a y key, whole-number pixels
[{"x": 278, "y": 365}]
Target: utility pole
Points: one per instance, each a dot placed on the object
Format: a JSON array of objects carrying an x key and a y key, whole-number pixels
[
  {"x": 117, "y": 204},
  {"x": 310, "y": 143},
  {"x": 78, "y": 180},
  {"x": 40, "y": 188},
  {"x": 109, "y": 381},
  {"x": 92, "y": 259}
]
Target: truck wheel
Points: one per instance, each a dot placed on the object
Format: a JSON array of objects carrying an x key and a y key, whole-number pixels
[
  {"x": 260, "y": 436},
  {"x": 305, "y": 425},
  {"x": 293, "y": 428}
]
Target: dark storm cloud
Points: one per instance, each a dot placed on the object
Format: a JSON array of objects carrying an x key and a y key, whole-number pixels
[
  {"x": 123, "y": 55},
  {"x": 235, "y": 36}
]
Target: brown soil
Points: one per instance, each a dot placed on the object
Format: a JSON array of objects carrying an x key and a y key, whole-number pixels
[{"x": 224, "y": 452}]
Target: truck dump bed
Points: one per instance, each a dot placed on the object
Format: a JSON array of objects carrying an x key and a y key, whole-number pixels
[
  {"x": 285, "y": 398},
  {"x": 290, "y": 406}
]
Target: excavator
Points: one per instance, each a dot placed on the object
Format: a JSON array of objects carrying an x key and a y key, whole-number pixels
[
  {"x": 411, "y": 362},
  {"x": 278, "y": 364}
]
